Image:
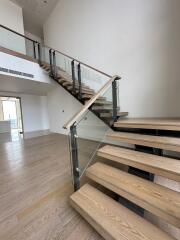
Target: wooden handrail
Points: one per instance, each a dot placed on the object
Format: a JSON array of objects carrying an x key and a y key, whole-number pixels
[
  {"x": 77, "y": 115},
  {"x": 19, "y": 34},
  {"x": 84, "y": 64}
]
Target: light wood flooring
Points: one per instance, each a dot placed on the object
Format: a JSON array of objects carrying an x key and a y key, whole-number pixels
[{"x": 35, "y": 185}]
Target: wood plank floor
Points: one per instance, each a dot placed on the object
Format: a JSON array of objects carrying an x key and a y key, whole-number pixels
[{"x": 35, "y": 185}]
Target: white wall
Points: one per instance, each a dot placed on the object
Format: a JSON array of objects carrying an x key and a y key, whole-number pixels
[
  {"x": 139, "y": 40},
  {"x": 34, "y": 110},
  {"x": 34, "y": 113},
  {"x": 62, "y": 106},
  {"x": 25, "y": 66},
  {"x": 11, "y": 16}
]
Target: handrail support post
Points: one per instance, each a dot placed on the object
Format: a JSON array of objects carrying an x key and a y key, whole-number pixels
[
  {"x": 34, "y": 49},
  {"x": 115, "y": 99},
  {"x": 39, "y": 54},
  {"x": 73, "y": 77},
  {"x": 79, "y": 81},
  {"x": 51, "y": 63},
  {"x": 74, "y": 157},
  {"x": 54, "y": 65}
]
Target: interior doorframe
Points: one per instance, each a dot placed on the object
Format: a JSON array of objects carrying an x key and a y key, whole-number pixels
[{"x": 20, "y": 103}]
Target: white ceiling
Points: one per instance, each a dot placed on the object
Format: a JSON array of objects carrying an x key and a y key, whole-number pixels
[{"x": 35, "y": 13}]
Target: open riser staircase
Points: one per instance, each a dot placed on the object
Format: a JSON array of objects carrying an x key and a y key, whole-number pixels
[
  {"x": 106, "y": 110},
  {"x": 110, "y": 191},
  {"x": 114, "y": 218},
  {"x": 109, "y": 217}
]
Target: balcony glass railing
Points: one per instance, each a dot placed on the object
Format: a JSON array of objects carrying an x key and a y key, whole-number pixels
[
  {"x": 17, "y": 42},
  {"x": 86, "y": 79}
]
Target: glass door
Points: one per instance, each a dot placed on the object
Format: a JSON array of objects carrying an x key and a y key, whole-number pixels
[{"x": 10, "y": 114}]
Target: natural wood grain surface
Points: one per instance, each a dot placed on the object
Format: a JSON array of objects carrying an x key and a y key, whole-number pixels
[
  {"x": 161, "y": 201},
  {"x": 163, "y": 166},
  {"x": 87, "y": 97},
  {"x": 166, "y": 143},
  {"x": 35, "y": 186},
  {"x": 102, "y": 102},
  {"x": 102, "y": 107},
  {"x": 150, "y": 123},
  {"x": 77, "y": 87},
  {"x": 112, "y": 220},
  {"x": 62, "y": 80}
]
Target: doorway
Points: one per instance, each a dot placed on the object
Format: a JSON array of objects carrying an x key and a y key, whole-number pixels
[{"x": 11, "y": 124}]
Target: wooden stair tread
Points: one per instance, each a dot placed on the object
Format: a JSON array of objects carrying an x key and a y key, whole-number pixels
[
  {"x": 150, "y": 123},
  {"x": 77, "y": 87},
  {"x": 102, "y": 102},
  {"x": 68, "y": 84},
  {"x": 62, "y": 80},
  {"x": 88, "y": 91},
  {"x": 85, "y": 90},
  {"x": 163, "y": 166},
  {"x": 87, "y": 96},
  {"x": 166, "y": 143},
  {"x": 44, "y": 65},
  {"x": 157, "y": 199},
  {"x": 102, "y": 108},
  {"x": 46, "y": 68},
  {"x": 77, "y": 90},
  {"x": 108, "y": 115},
  {"x": 111, "y": 219}
]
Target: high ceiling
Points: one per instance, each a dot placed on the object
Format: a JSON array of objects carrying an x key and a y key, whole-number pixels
[{"x": 35, "y": 13}]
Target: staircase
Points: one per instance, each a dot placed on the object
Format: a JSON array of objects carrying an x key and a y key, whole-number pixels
[
  {"x": 114, "y": 199},
  {"x": 115, "y": 218},
  {"x": 102, "y": 107},
  {"x": 108, "y": 216}
]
